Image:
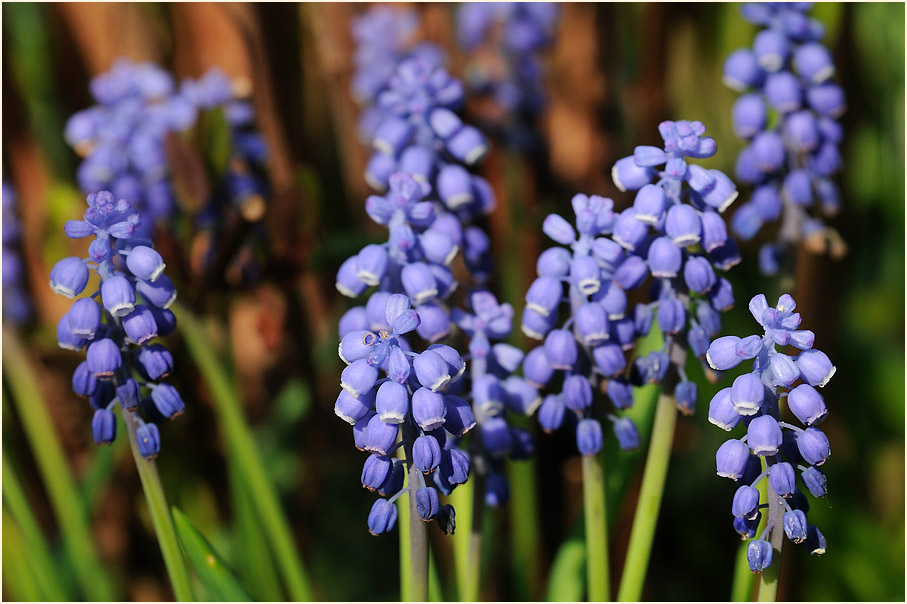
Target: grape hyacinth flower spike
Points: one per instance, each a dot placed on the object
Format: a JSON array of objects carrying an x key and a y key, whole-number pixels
[
  {"x": 754, "y": 400},
  {"x": 117, "y": 325},
  {"x": 410, "y": 407},
  {"x": 790, "y": 164}
]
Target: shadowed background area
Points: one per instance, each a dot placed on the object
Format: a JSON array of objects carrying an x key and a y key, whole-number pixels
[{"x": 613, "y": 72}]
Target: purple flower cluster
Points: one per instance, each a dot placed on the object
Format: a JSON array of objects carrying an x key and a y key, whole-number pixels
[
  {"x": 118, "y": 323},
  {"x": 505, "y": 40},
  {"x": 414, "y": 401},
  {"x": 494, "y": 391},
  {"x": 17, "y": 307},
  {"x": 754, "y": 401},
  {"x": 122, "y": 138},
  {"x": 789, "y": 161},
  {"x": 612, "y": 253}
]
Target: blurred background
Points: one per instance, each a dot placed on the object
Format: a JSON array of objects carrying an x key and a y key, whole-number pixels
[{"x": 269, "y": 307}]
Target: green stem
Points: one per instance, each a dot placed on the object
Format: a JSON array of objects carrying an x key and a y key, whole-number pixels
[
  {"x": 36, "y": 546},
  {"x": 461, "y": 499},
  {"x": 647, "y": 508},
  {"x": 405, "y": 551},
  {"x": 597, "y": 568},
  {"x": 418, "y": 535},
  {"x": 525, "y": 546},
  {"x": 769, "y": 578},
  {"x": 245, "y": 453},
  {"x": 53, "y": 466},
  {"x": 160, "y": 516}
]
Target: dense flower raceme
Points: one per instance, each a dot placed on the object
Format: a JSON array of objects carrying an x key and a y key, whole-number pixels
[
  {"x": 754, "y": 402},
  {"x": 122, "y": 138},
  {"x": 17, "y": 306},
  {"x": 422, "y": 243},
  {"x": 118, "y": 323},
  {"x": 788, "y": 113},
  {"x": 414, "y": 402},
  {"x": 505, "y": 40},
  {"x": 610, "y": 254}
]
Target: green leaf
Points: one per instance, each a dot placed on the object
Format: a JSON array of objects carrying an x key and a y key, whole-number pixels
[
  {"x": 568, "y": 571},
  {"x": 208, "y": 565}
]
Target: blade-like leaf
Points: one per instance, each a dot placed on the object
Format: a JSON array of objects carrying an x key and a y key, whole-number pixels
[{"x": 208, "y": 565}]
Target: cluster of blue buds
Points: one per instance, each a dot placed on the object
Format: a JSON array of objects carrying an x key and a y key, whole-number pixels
[
  {"x": 613, "y": 253},
  {"x": 416, "y": 259},
  {"x": 122, "y": 137},
  {"x": 674, "y": 232},
  {"x": 754, "y": 401},
  {"x": 505, "y": 40},
  {"x": 118, "y": 323},
  {"x": 494, "y": 391},
  {"x": 17, "y": 307},
  {"x": 585, "y": 346},
  {"x": 789, "y": 161},
  {"x": 415, "y": 402}
]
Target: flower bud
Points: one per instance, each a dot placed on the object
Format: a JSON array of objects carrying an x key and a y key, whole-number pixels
[
  {"x": 588, "y": 437},
  {"x": 468, "y": 145},
  {"x": 649, "y": 204},
  {"x": 382, "y": 517},
  {"x": 628, "y": 176},
  {"x": 454, "y": 466},
  {"x": 84, "y": 318},
  {"x": 795, "y": 526},
  {"x": 746, "y": 502},
  {"x": 536, "y": 368},
  {"x": 379, "y": 436},
  {"x": 560, "y": 349},
  {"x": 764, "y": 435},
  {"x": 426, "y": 453},
  {"x": 813, "y": 446},
  {"x": 103, "y": 427},
  {"x": 631, "y": 273},
  {"x": 815, "y": 481},
  {"x": 145, "y": 263},
  {"x": 627, "y": 434},
  {"x": 359, "y": 377},
  {"x": 459, "y": 418},
  {"x": 149, "y": 440},
  {"x": 553, "y": 262},
  {"x": 815, "y": 367},
  {"x": 167, "y": 400},
  {"x": 609, "y": 358},
  {"x": 556, "y": 227},
  {"x": 671, "y": 316},
  {"x": 592, "y": 323},
  {"x": 551, "y": 413},
  {"x": 685, "y": 393},
  {"x": 351, "y": 409},
  {"x": 585, "y": 275},
  {"x": 815, "y": 541},
  {"x": 731, "y": 459},
  {"x": 682, "y": 225},
  {"x": 747, "y": 528},
  {"x": 620, "y": 392},
  {"x": 629, "y": 231},
  {"x": 103, "y": 358},
  {"x": 69, "y": 277},
  {"x": 759, "y": 555},
  {"x": 375, "y": 471},
  {"x": 496, "y": 437},
  {"x": 427, "y": 503},
  {"x": 722, "y": 412},
  {"x": 161, "y": 293},
  {"x": 140, "y": 325},
  {"x": 429, "y": 410},
  {"x": 741, "y": 70}
]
